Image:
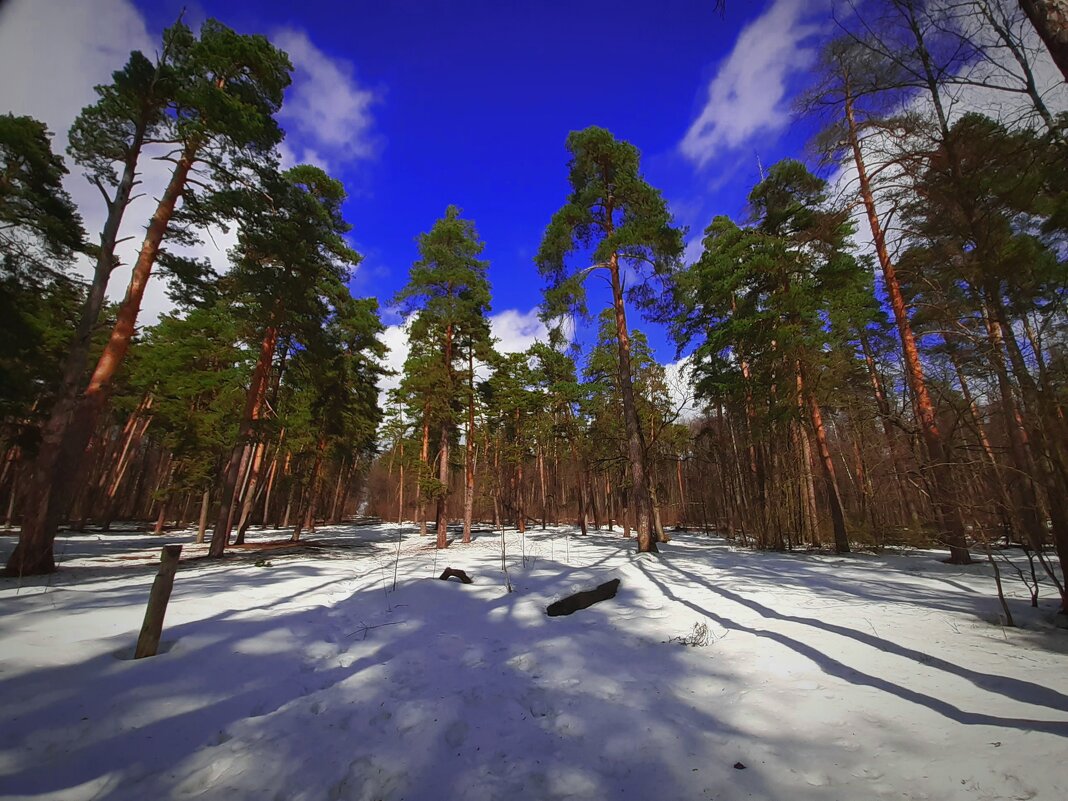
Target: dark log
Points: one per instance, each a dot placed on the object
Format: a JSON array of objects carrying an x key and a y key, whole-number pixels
[
  {"x": 452, "y": 572},
  {"x": 152, "y": 628},
  {"x": 581, "y": 600}
]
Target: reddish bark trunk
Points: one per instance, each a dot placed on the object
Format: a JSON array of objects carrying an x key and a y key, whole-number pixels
[
  {"x": 442, "y": 520},
  {"x": 63, "y": 448},
  {"x": 950, "y": 522},
  {"x": 639, "y": 495},
  {"x": 253, "y": 402},
  {"x": 830, "y": 480},
  {"x": 469, "y": 455}
]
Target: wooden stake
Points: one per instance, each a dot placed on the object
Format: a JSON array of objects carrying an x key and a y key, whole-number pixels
[{"x": 152, "y": 628}]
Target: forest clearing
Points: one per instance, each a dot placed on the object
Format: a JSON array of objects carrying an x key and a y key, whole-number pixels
[
  {"x": 865, "y": 676},
  {"x": 483, "y": 400}
]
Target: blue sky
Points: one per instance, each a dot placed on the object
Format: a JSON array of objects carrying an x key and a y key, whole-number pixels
[
  {"x": 416, "y": 105},
  {"x": 472, "y": 102}
]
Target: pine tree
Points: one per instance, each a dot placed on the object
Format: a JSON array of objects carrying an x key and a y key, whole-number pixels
[
  {"x": 759, "y": 297},
  {"x": 290, "y": 268},
  {"x": 40, "y": 232},
  {"x": 228, "y": 88},
  {"x": 447, "y": 299},
  {"x": 624, "y": 224}
]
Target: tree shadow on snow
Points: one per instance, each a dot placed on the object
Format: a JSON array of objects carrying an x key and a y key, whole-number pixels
[
  {"x": 435, "y": 691},
  {"x": 1015, "y": 689}
]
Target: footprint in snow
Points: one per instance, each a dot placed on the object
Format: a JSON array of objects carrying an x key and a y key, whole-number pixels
[{"x": 456, "y": 734}]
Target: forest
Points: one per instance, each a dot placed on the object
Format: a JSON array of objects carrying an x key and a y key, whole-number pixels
[
  {"x": 876, "y": 349},
  {"x": 455, "y": 427}
]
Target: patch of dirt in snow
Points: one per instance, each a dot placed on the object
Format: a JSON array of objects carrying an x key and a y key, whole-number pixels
[{"x": 346, "y": 670}]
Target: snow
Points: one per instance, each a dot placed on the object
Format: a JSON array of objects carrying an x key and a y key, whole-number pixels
[{"x": 311, "y": 678}]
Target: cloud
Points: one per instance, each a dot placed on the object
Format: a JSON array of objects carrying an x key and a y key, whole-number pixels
[
  {"x": 52, "y": 54},
  {"x": 695, "y": 247},
  {"x": 326, "y": 110},
  {"x": 746, "y": 96},
  {"x": 677, "y": 376},
  {"x": 514, "y": 330}
]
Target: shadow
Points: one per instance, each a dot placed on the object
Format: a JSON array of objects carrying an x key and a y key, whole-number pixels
[
  {"x": 437, "y": 690},
  {"x": 879, "y": 580},
  {"x": 1015, "y": 689}
]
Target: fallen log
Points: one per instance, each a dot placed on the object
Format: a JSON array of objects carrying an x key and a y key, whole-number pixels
[
  {"x": 581, "y": 600},
  {"x": 452, "y": 572}
]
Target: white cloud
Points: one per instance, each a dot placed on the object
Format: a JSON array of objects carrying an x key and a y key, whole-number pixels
[
  {"x": 695, "y": 246},
  {"x": 677, "y": 375},
  {"x": 326, "y": 109},
  {"x": 517, "y": 330},
  {"x": 746, "y": 96},
  {"x": 52, "y": 54},
  {"x": 514, "y": 330}
]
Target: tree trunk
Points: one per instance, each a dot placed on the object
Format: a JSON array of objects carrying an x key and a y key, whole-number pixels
[
  {"x": 250, "y": 492},
  {"x": 250, "y": 414},
  {"x": 639, "y": 476},
  {"x": 441, "y": 511},
  {"x": 1050, "y": 18},
  {"x": 830, "y": 481},
  {"x": 424, "y": 470},
  {"x": 807, "y": 496},
  {"x": 272, "y": 474},
  {"x": 950, "y": 522},
  {"x": 60, "y": 458},
  {"x": 443, "y": 453},
  {"x": 205, "y": 507},
  {"x": 539, "y": 462},
  {"x": 306, "y": 511},
  {"x": 161, "y": 518},
  {"x": 342, "y": 476},
  {"x": 469, "y": 454},
  {"x": 400, "y": 487}
]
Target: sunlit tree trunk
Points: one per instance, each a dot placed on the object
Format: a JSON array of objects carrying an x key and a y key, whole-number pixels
[
  {"x": 469, "y": 450},
  {"x": 639, "y": 477},
  {"x": 950, "y": 521},
  {"x": 250, "y": 414},
  {"x": 59, "y": 461}
]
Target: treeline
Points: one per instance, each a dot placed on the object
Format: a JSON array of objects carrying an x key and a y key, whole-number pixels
[
  {"x": 256, "y": 398},
  {"x": 910, "y": 390},
  {"x": 878, "y": 358}
]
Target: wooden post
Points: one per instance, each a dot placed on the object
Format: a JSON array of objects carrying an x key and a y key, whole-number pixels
[{"x": 152, "y": 628}]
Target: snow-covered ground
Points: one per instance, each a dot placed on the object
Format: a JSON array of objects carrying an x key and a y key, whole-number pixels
[{"x": 310, "y": 678}]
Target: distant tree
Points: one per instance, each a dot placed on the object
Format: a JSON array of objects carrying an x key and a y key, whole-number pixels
[
  {"x": 624, "y": 225},
  {"x": 512, "y": 404},
  {"x": 192, "y": 367},
  {"x": 447, "y": 298},
  {"x": 288, "y": 279},
  {"x": 335, "y": 377},
  {"x": 759, "y": 298}
]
